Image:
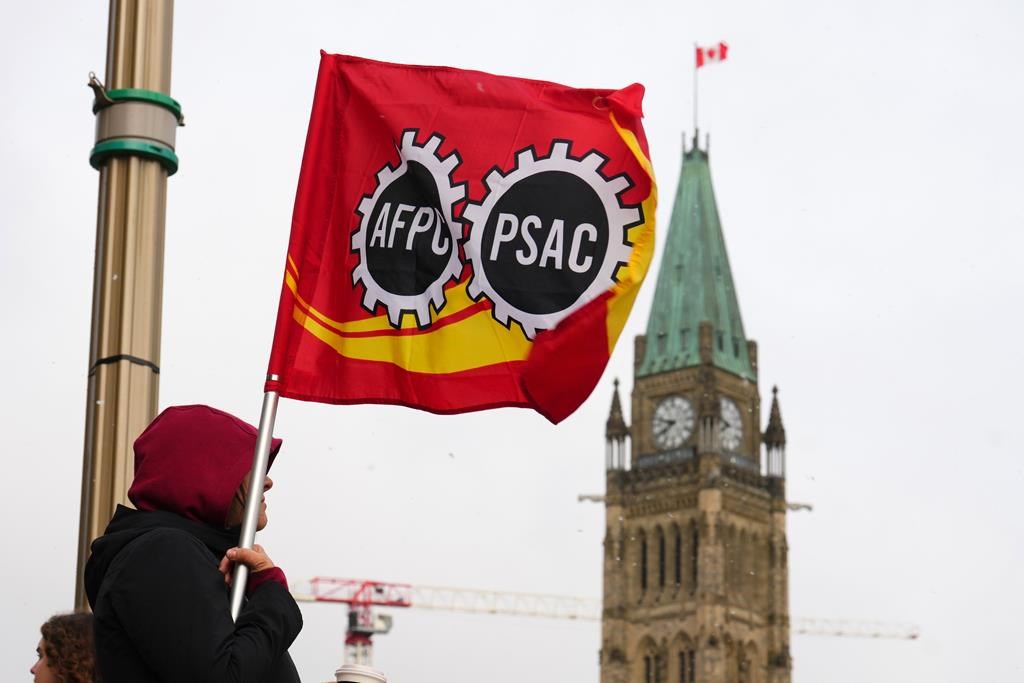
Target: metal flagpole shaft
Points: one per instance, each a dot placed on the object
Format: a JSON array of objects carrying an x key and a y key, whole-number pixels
[
  {"x": 260, "y": 460},
  {"x": 695, "y": 72}
]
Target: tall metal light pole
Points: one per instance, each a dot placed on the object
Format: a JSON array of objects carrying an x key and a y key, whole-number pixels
[{"x": 136, "y": 120}]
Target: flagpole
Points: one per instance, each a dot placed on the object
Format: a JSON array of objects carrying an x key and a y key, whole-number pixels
[
  {"x": 260, "y": 461},
  {"x": 695, "y": 91}
]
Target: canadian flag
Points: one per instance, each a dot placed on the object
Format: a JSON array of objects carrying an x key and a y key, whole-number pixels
[{"x": 710, "y": 55}]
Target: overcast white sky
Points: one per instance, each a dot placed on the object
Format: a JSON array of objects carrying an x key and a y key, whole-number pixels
[{"x": 867, "y": 161}]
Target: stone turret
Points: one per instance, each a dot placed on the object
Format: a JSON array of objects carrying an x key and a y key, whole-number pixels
[
  {"x": 775, "y": 440},
  {"x": 615, "y": 433}
]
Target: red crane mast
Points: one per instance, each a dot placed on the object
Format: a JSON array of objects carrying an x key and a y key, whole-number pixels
[{"x": 361, "y": 596}]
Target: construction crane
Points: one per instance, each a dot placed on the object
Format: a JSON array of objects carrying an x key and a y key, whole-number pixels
[
  {"x": 855, "y": 629},
  {"x": 362, "y": 595},
  {"x": 599, "y": 498}
]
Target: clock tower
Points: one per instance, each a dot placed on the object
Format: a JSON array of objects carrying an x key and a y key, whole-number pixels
[{"x": 695, "y": 567}]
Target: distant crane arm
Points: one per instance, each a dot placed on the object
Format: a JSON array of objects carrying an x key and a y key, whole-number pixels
[{"x": 360, "y": 592}]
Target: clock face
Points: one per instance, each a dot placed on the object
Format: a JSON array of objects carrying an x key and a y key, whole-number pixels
[
  {"x": 730, "y": 430},
  {"x": 672, "y": 423}
]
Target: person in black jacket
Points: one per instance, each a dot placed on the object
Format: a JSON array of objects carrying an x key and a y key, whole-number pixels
[{"x": 158, "y": 579}]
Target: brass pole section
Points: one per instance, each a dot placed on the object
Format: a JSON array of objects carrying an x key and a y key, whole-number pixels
[{"x": 124, "y": 347}]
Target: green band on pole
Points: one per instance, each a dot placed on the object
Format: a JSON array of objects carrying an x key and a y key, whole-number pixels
[
  {"x": 134, "y": 147},
  {"x": 141, "y": 95}
]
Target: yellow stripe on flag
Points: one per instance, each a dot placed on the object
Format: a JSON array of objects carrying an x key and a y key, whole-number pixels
[
  {"x": 457, "y": 301},
  {"x": 452, "y": 348},
  {"x": 632, "y": 274}
]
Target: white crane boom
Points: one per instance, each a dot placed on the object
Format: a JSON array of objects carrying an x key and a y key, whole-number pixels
[
  {"x": 854, "y": 629},
  {"x": 505, "y": 602},
  {"x": 476, "y": 601}
]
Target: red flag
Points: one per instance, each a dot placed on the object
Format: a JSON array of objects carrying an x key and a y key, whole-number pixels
[
  {"x": 710, "y": 55},
  {"x": 461, "y": 240}
]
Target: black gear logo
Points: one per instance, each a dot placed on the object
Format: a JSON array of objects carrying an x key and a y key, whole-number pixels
[
  {"x": 407, "y": 239},
  {"x": 548, "y": 237}
]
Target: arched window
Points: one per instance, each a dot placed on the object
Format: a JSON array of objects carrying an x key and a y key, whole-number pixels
[
  {"x": 687, "y": 665},
  {"x": 694, "y": 548},
  {"x": 661, "y": 558},
  {"x": 643, "y": 561},
  {"x": 678, "y": 556},
  {"x": 649, "y": 659}
]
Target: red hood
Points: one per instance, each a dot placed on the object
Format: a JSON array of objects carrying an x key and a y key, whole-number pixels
[{"x": 190, "y": 461}]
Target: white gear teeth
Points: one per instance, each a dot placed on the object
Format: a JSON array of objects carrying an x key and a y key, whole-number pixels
[
  {"x": 458, "y": 192},
  {"x": 630, "y": 216},
  {"x": 620, "y": 218},
  {"x": 471, "y": 213},
  {"x": 356, "y": 274},
  {"x": 437, "y": 299},
  {"x": 619, "y": 184},
  {"x": 594, "y": 161},
  {"x": 448, "y": 165},
  {"x": 422, "y": 313},
  {"x": 441, "y": 170},
  {"x": 494, "y": 179},
  {"x": 394, "y": 315}
]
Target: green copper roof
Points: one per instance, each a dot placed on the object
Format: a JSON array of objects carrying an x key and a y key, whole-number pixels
[{"x": 695, "y": 284}]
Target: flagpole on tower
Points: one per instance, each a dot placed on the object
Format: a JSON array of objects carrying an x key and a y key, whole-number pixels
[
  {"x": 695, "y": 72},
  {"x": 702, "y": 56}
]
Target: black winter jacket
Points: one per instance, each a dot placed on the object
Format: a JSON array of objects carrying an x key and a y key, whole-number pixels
[{"x": 162, "y": 611}]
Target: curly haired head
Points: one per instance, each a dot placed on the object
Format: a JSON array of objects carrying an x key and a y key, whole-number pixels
[{"x": 69, "y": 647}]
